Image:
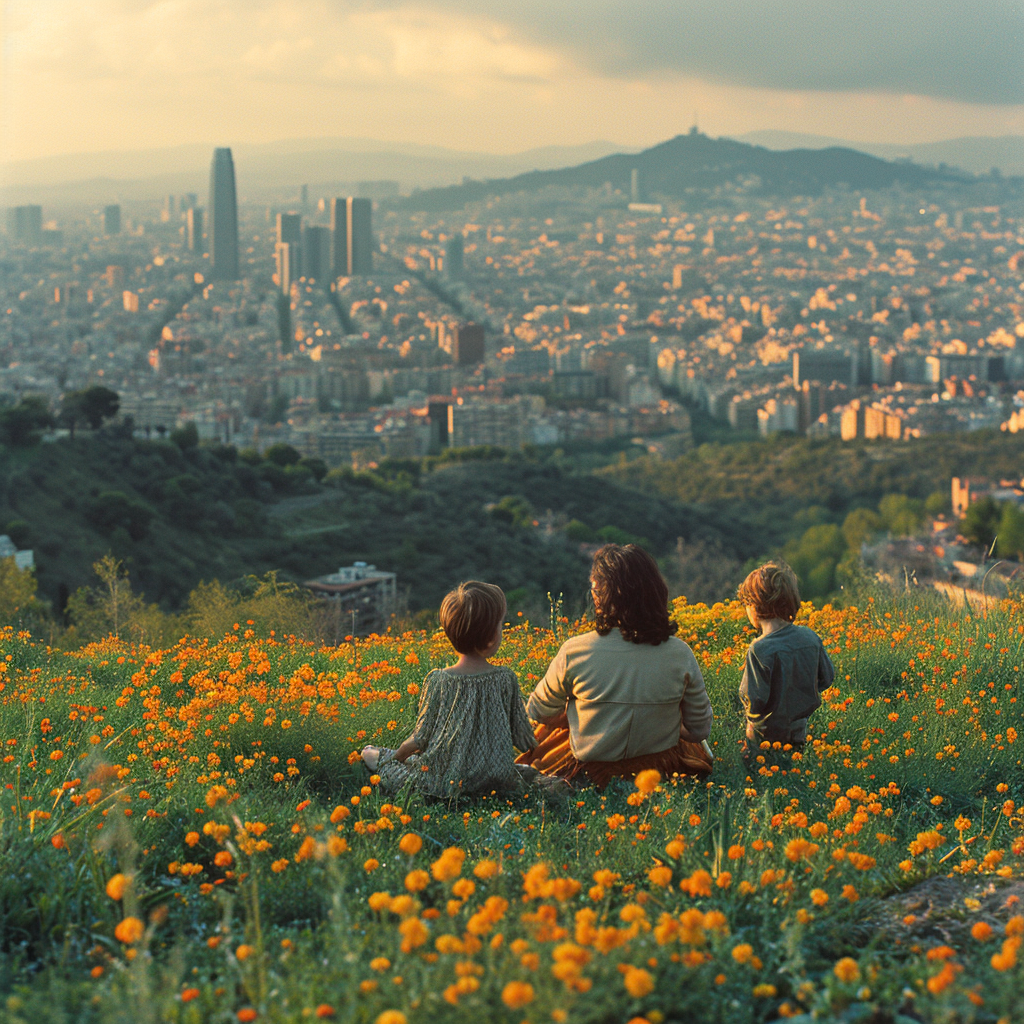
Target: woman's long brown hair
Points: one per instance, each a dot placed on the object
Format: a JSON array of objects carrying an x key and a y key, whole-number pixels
[{"x": 629, "y": 592}]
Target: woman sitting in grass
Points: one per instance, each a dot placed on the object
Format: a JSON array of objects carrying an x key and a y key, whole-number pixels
[
  {"x": 628, "y": 695},
  {"x": 471, "y": 714}
]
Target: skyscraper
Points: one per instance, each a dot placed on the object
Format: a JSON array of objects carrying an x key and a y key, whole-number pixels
[
  {"x": 194, "y": 229},
  {"x": 223, "y": 228},
  {"x": 453, "y": 256},
  {"x": 112, "y": 219},
  {"x": 289, "y": 232},
  {"x": 25, "y": 224},
  {"x": 468, "y": 344},
  {"x": 351, "y": 236},
  {"x": 287, "y": 256},
  {"x": 316, "y": 253}
]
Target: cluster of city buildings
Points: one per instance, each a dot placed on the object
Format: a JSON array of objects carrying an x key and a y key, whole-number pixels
[{"x": 356, "y": 328}]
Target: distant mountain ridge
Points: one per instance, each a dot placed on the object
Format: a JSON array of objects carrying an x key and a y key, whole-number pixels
[
  {"x": 977, "y": 154},
  {"x": 696, "y": 161},
  {"x": 269, "y": 171}
]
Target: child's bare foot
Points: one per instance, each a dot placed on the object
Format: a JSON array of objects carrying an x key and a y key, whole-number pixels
[{"x": 371, "y": 755}]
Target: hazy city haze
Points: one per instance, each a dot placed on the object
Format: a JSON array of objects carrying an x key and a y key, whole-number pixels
[{"x": 136, "y": 74}]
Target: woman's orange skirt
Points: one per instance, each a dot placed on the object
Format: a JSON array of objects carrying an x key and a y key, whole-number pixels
[{"x": 553, "y": 756}]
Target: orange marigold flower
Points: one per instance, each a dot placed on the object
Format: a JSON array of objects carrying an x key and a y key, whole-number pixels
[
  {"x": 117, "y": 885},
  {"x": 449, "y": 864},
  {"x": 324, "y": 1010},
  {"x": 246, "y": 1015},
  {"x": 417, "y": 880},
  {"x": 191, "y": 838},
  {"x": 391, "y": 1017},
  {"x": 486, "y": 869},
  {"x": 981, "y": 930},
  {"x": 244, "y": 952},
  {"x": 638, "y": 982},
  {"x": 660, "y": 875},
  {"x": 819, "y": 897},
  {"x": 847, "y": 970},
  {"x": 648, "y": 781},
  {"x": 129, "y": 931},
  {"x": 188, "y": 994},
  {"x": 736, "y": 852},
  {"x": 517, "y": 994},
  {"x": 410, "y": 844}
]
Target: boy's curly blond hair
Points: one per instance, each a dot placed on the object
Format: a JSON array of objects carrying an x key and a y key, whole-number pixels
[{"x": 773, "y": 590}]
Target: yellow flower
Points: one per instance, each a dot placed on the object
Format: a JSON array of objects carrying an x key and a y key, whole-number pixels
[
  {"x": 516, "y": 994},
  {"x": 391, "y": 1017},
  {"x": 847, "y": 970}
]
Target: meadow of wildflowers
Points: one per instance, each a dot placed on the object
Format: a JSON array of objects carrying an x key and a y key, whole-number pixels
[{"x": 187, "y": 834}]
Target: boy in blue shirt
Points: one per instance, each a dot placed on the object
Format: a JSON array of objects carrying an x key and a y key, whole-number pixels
[{"x": 786, "y": 667}]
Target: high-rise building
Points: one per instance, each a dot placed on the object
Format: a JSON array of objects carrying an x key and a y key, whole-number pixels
[
  {"x": 287, "y": 256},
  {"x": 468, "y": 344},
  {"x": 223, "y": 226},
  {"x": 352, "y": 236},
  {"x": 167, "y": 214},
  {"x": 187, "y": 200},
  {"x": 25, "y": 224},
  {"x": 316, "y": 252},
  {"x": 634, "y": 184},
  {"x": 453, "y": 257},
  {"x": 112, "y": 219},
  {"x": 194, "y": 229},
  {"x": 289, "y": 232}
]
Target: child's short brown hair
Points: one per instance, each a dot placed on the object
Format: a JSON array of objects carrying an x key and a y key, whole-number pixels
[
  {"x": 471, "y": 614},
  {"x": 773, "y": 591}
]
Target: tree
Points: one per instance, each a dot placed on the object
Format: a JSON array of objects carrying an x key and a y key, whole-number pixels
[
  {"x": 111, "y": 608},
  {"x": 21, "y": 424},
  {"x": 981, "y": 522},
  {"x": 282, "y": 455},
  {"x": 858, "y": 526},
  {"x": 186, "y": 437},
  {"x": 1010, "y": 538},
  {"x": 91, "y": 406},
  {"x": 112, "y": 509},
  {"x": 814, "y": 558},
  {"x": 18, "y": 602},
  {"x": 902, "y": 516}
]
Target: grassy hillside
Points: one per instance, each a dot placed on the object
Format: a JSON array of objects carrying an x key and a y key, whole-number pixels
[
  {"x": 189, "y": 836},
  {"x": 176, "y": 516}
]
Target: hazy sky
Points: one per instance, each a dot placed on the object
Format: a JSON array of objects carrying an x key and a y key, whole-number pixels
[{"x": 90, "y": 75}]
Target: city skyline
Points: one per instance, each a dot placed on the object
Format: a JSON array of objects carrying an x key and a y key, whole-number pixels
[{"x": 120, "y": 75}]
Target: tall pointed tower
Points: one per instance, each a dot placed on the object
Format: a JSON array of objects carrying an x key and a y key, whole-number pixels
[{"x": 223, "y": 222}]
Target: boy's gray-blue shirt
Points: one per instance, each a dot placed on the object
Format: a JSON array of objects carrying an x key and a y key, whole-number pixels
[{"x": 783, "y": 676}]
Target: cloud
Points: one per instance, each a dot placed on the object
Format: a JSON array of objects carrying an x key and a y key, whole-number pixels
[
  {"x": 89, "y": 75},
  {"x": 968, "y": 51}
]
